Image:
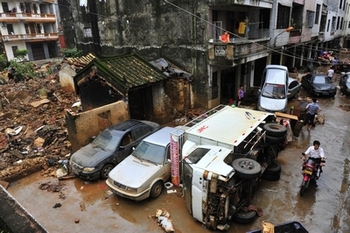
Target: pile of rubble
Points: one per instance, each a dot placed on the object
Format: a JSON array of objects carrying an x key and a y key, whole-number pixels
[{"x": 33, "y": 133}]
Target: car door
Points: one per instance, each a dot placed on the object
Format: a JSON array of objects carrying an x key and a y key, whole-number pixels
[
  {"x": 293, "y": 89},
  {"x": 125, "y": 147}
]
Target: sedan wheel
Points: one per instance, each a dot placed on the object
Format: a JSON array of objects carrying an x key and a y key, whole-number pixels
[
  {"x": 156, "y": 189},
  {"x": 105, "y": 171}
]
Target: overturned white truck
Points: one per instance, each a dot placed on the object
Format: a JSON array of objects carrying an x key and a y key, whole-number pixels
[{"x": 222, "y": 156}]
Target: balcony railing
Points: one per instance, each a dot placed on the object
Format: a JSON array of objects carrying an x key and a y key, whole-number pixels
[
  {"x": 26, "y": 17},
  {"x": 237, "y": 49},
  {"x": 31, "y": 37}
]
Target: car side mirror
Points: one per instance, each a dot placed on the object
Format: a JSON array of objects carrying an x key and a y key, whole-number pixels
[{"x": 121, "y": 147}]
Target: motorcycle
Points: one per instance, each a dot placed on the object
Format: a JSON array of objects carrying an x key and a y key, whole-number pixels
[{"x": 310, "y": 169}]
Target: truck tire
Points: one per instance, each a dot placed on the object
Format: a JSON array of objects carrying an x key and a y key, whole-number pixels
[
  {"x": 269, "y": 177},
  {"x": 273, "y": 169},
  {"x": 244, "y": 217},
  {"x": 275, "y": 129},
  {"x": 246, "y": 168},
  {"x": 273, "y": 140}
]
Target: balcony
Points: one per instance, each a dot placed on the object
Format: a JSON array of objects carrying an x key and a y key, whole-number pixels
[
  {"x": 34, "y": 37},
  {"x": 238, "y": 51},
  {"x": 10, "y": 17}
]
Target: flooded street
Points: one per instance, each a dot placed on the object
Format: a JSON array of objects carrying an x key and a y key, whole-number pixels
[{"x": 324, "y": 207}]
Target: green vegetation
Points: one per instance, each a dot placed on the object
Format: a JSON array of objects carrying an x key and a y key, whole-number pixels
[{"x": 72, "y": 52}]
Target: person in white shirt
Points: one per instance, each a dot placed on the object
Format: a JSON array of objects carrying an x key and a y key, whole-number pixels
[
  {"x": 330, "y": 73},
  {"x": 316, "y": 153}
]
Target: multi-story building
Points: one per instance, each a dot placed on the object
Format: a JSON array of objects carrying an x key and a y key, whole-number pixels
[
  {"x": 188, "y": 33},
  {"x": 31, "y": 26}
]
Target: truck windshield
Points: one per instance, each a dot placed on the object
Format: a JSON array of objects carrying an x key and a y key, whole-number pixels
[
  {"x": 197, "y": 154},
  {"x": 150, "y": 152}
]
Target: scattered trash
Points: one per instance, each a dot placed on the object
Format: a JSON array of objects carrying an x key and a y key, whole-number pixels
[
  {"x": 13, "y": 132},
  {"x": 163, "y": 220},
  {"x": 82, "y": 206},
  {"x": 57, "y": 205},
  {"x": 76, "y": 220},
  {"x": 171, "y": 191},
  {"x": 109, "y": 192},
  {"x": 168, "y": 185}
]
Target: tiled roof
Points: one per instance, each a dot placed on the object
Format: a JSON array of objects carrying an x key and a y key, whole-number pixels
[{"x": 124, "y": 71}]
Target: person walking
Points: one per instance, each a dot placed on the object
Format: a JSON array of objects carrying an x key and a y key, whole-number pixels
[
  {"x": 330, "y": 73},
  {"x": 311, "y": 110},
  {"x": 240, "y": 96}
]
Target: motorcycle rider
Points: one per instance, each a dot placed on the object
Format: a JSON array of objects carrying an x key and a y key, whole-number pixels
[{"x": 316, "y": 153}]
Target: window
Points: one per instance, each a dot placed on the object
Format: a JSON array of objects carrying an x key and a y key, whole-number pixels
[
  {"x": 5, "y": 6},
  {"x": 318, "y": 8},
  {"x": 14, "y": 50},
  {"x": 283, "y": 17},
  {"x": 334, "y": 19},
  {"x": 87, "y": 33},
  {"x": 340, "y": 4},
  {"x": 10, "y": 30},
  {"x": 310, "y": 15},
  {"x": 349, "y": 24},
  {"x": 341, "y": 23},
  {"x": 264, "y": 19},
  {"x": 338, "y": 21}
]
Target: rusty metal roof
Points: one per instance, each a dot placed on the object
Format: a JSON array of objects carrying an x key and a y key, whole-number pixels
[{"x": 124, "y": 71}]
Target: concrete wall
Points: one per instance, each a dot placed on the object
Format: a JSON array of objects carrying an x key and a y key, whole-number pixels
[
  {"x": 17, "y": 218},
  {"x": 82, "y": 126}
]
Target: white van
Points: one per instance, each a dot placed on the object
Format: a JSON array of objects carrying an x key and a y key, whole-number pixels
[{"x": 273, "y": 92}]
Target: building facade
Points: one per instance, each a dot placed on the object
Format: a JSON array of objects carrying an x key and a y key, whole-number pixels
[
  {"x": 30, "y": 25},
  {"x": 188, "y": 33}
]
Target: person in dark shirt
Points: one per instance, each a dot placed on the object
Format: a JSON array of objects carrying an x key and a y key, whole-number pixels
[{"x": 311, "y": 110}]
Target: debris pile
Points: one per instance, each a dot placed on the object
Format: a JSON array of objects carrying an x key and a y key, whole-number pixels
[
  {"x": 163, "y": 219},
  {"x": 32, "y": 125}
]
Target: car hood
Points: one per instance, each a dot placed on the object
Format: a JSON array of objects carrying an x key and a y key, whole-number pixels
[
  {"x": 132, "y": 172},
  {"x": 323, "y": 86},
  {"x": 273, "y": 105},
  {"x": 89, "y": 156}
]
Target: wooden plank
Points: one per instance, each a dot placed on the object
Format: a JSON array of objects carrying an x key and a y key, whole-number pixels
[{"x": 284, "y": 115}]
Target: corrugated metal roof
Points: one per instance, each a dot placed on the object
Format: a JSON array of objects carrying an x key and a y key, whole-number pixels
[
  {"x": 229, "y": 125},
  {"x": 124, "y": 71}
]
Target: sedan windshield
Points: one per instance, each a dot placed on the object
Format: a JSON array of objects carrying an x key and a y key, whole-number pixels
[
  {"x": 320, "y": 80},
  {"x": 274, "y": 90},
  {"x": 106, "y": 141},
  {"x": 150, "y": 152}
]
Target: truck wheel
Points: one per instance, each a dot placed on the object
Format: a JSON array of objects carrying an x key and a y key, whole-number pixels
[
  {"x": 275, "y": 140},
  {"x": 244, "y": 217},
  {"x": 105, "y": 170},
  {"x": 269, "y": 177},
  {"x": 275, "y": 129},
  {"x": 246, "y": 168},
  {"x": 156, "y": 189},
  {"x": 273, "y": 169}
]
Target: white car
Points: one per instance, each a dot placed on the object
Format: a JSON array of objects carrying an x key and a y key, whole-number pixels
[{"x": 144, "y": 172}]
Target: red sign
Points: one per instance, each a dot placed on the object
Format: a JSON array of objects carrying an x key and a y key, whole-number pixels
[{"x": 174, "y": 156}]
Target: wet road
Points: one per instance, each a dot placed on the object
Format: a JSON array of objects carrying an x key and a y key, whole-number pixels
[{"x": 324, "y": 208}]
